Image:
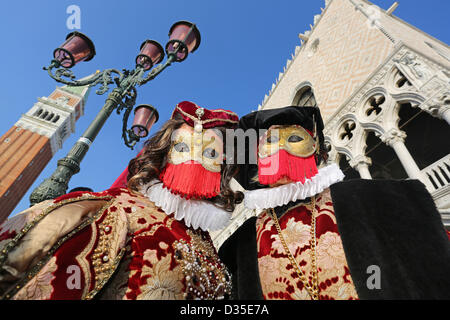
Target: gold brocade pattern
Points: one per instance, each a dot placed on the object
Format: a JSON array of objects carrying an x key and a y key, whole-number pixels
[
  {"x": 39, "y": 287},
  {"x": 162, "y": 283},
  {"x": 35, "y": 272},
  {"x": 125, "y": 250},
  {"x": 155, "y": 266},
  {"x": 278, "y": 277}
]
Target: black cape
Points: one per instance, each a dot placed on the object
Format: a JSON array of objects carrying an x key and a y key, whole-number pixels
[{"x": 392, "y": 224}]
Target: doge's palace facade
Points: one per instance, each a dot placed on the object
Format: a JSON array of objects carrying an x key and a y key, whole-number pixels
[{"x": 383, "y": 87}]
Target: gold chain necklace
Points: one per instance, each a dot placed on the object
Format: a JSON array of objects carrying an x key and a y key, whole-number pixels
[{"x": 313, "y": 290}]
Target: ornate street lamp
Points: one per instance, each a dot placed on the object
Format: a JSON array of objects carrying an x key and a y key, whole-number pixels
[
  {"x": 184, "y": 38},
  {"x": 145, "y": 116},
  {"x": 151, "y": 53},
  {"x": 76, "y": 48}
]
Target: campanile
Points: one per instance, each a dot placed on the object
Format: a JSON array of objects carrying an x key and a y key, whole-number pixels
[{"x": 27, "y": 147}]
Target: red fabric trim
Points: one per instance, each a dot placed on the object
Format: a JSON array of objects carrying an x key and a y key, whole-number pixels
[
  {"x": 121, "y": 181},
  {"x": 8, "y": 234},
  {"x": 223, "y": 118},
  {"x": 191, "y": 180},
  {"x": 285, "y": 165},
  {"x": 113, "y": 192},
  {"x": 65, "y": 257},
  {"x": 70, "y": 196}
]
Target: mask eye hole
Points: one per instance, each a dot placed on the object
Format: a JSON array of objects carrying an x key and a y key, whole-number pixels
[
  {"x": 181, "y": 147},
  {"x": 295, "y": 138},
  {"x": 210, "y": 153},
  {"x": 272, "y": 139}
]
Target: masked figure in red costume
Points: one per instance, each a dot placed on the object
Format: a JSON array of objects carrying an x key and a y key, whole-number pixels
[
  {"x": 145, "y": 238},
  {"x": 314, "y": 236}
]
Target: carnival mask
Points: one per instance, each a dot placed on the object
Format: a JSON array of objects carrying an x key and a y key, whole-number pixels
[
  {"x": 205, "y": 147},
  {"x": 193, "y": 169},
  {"x": 294, "y": 139},
  {"x": 286, "y": 152}
]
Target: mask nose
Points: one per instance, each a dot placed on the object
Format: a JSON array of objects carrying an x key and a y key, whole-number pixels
[{"x": 196, "y": 152}]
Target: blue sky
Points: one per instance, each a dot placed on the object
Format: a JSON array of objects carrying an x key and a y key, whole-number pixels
[{"x": 245, "y": 44}]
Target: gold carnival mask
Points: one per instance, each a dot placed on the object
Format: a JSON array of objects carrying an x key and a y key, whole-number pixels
[
  {"x": 294, "y": 139},
  {"x": 205, "y": 147}
]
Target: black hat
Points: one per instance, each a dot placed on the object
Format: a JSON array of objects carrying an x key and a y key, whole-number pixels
[{"x": 307, "y": 117}]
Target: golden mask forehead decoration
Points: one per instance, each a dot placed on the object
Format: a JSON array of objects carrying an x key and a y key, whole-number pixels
[
  {"x": 294, "y": 139},
  {"x": 198, "y": 126},
  {"x": 204, "y": 147}
]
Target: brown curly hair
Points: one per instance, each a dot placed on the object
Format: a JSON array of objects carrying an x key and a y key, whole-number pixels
[{"x": 149, "y": 164}]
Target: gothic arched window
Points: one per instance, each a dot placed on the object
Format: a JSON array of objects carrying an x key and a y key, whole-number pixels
[{"x": 305, "y": 98}]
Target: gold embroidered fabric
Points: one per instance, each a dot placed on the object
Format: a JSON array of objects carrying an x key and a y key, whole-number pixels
[
  {"x": 278, "y": 277},
  {"x": 124, "y": 248},
  {"x": 36, "y": 243}
]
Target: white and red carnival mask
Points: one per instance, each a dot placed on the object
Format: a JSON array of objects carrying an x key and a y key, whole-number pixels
[
  {"x": 193, "y": 168},
  {"x": 194, "y": 163},
  {"x": 286, "y": 153}
]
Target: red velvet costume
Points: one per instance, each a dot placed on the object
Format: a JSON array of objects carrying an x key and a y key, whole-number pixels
[{"x": 115, "y": 244}]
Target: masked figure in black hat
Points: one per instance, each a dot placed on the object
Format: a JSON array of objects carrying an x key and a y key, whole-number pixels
[{"x": 318, "y": 237}]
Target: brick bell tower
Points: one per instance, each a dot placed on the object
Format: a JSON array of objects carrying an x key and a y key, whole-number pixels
[{"x": 28, "y": 146}]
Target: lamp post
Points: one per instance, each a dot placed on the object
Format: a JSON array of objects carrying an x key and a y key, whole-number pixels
[{"x": 184, "y": 38}]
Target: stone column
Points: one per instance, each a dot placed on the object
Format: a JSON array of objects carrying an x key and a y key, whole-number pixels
[
  {"x": 395, "y": 139},
  {"x": 439, "y": 108},
  {"x": 362, "y": 163},
  {"x": 444, "y": 114}
]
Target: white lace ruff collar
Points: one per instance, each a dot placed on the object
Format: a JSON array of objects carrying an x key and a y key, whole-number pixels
[
  {"x": 274, "y": 197},
  {"x": 195, "y": 213}
]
